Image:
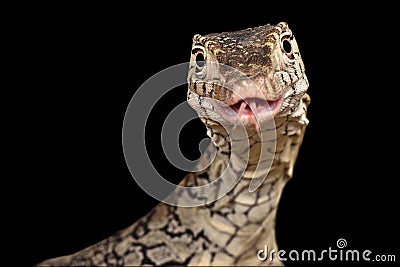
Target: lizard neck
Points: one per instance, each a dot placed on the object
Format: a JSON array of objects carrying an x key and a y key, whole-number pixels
[{"x": 241, "y": 219}]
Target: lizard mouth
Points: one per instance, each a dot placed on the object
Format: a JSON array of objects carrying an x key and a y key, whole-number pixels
[{"x": 252, "y": 111}]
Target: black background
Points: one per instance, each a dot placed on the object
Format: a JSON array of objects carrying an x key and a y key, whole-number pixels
[{"x": 83, "y": 65}]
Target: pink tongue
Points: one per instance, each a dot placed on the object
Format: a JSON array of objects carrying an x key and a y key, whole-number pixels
[
  {"x": 253, "y": 106},
  {"x": 243, "y": 105},
  {"x": 247, "y": 108},
  {"x": 242, "y": 108}
]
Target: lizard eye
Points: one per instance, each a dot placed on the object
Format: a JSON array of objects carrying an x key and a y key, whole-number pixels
[
  {"x": 287, "y": 47},
  {"x": 199, "y": 58}
]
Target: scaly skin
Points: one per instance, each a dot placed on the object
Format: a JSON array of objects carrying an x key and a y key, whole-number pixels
[{"x": 232, "y": 229}]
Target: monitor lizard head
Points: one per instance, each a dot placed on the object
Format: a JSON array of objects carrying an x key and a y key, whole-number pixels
[{"x": 254, "y": 74}]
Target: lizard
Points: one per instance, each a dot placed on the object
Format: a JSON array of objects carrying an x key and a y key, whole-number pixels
[{"x": 230, "y": 230}]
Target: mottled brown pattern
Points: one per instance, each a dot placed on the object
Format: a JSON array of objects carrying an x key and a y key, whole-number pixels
[
  {"x": 248, "y": 50},
  {"x": 232, "y": 229}
]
